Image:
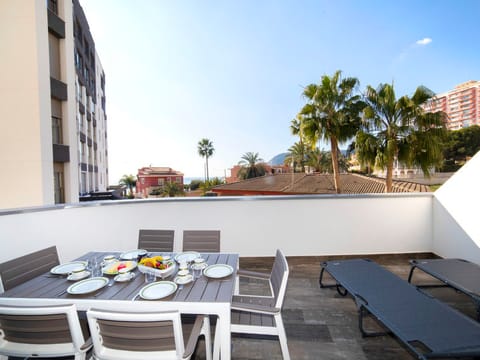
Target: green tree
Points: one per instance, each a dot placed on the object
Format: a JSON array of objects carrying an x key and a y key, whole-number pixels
[
  {"x": 461, "y": 144},
  {"x": 400, "y": 129},
  {"x": 298, "y": 154},
  {"x": 208, "y": 185},
  {"x": 252, "y": 166},
  {"x": 130, "y": 181},
  {"x": 206, "y": 150},
  {"x": 171, "y": 189},
  {"x": 332, "y": 113}
]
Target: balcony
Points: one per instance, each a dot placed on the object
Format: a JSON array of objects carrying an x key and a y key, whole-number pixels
[{"x": 389, "y": 228}]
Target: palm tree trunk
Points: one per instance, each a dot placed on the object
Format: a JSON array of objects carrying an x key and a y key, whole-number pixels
[
  {"x": 336, "y": 172},
  {"x": 389, "y": 179},
  {"x": 206, "y": 160}
]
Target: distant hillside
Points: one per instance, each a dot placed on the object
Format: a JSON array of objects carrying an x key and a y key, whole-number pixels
[
  {"x": 277, "y": 159},
  {"x": 280, "y": 158}
]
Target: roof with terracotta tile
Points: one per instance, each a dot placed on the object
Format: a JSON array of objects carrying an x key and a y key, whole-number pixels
[{"x": 316, "y": 184}]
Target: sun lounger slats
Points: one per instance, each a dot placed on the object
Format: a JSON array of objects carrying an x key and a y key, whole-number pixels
[
  {"x": 459, "y": 274},
  {"x": 410, "y": 314}
]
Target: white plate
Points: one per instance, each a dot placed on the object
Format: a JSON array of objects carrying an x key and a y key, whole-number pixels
[
  {"x": 133, "y": 254},
  {"x": 187, "y": 256},
  {"x": 181, "y": 280},
  {"x": 158, "y": 290},
  {"x": 76, "y": 277},
  {"x": 64, "y": 269},
  {"x": 87, "y": 286},
  {"x": 112, "y": 268},
  {"x": 218, "y": 271}
]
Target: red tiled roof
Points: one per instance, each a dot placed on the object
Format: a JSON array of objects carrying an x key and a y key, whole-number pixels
[{"x": 315, "y": 184}]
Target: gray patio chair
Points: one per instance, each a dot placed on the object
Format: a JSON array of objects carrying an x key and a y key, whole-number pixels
[
  {"x": 140, "y": 336},
  {"x": 47, "y": 331},
  {"x": 156, "y": 240},
  {"x": 16, "y": 271},
  {"x": 262, "y": 315},
  {"x": 205, "y": 241}
]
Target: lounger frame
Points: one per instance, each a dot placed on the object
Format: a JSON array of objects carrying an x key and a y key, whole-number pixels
[
  {"x": 449, "y": 272},
  {"x": 413, "y": 331}
]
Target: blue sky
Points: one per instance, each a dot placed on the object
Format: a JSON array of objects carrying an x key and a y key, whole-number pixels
[{"x": 234, "y": 71}]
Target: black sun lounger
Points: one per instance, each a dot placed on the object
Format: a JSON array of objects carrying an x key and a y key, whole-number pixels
[
  {"x": 459, "y": 274},
  {"x": 427, "y": 327}
]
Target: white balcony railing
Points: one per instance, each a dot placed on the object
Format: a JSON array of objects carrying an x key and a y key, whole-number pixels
[{"x": 444, "y": 223}]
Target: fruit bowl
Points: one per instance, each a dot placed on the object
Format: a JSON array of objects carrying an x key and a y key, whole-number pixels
[{"x": 157, "y": 267}]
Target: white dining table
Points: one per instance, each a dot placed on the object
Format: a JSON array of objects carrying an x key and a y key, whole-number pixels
[{"x": 209, "y": 296}]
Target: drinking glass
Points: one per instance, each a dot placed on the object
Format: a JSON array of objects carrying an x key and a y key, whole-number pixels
[
  {"x": 149, "y": 277},
  {"x": 197, "y": 272},
  {"x": 95, "y": 267}
]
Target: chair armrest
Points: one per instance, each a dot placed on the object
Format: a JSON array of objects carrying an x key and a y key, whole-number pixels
[
  {"x": 88, "y": 344},
  {"x": 263, "y": 309},
  {"x": 253, "y": 274},
  {"x": 193, "y": 338}
]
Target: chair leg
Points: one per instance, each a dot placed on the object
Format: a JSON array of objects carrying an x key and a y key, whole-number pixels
[
  {"x": 208, "y": 338},
  {"x": 282, "y": 336}
]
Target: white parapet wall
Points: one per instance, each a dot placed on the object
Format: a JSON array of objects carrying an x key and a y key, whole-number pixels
[
  {"x": 250, "y": 226},
  {"x": 456, "y": 230}
]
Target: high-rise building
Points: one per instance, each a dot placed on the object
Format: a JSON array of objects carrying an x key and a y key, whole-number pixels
[
  {"x": 462, "y": 105},
  {"x": 53, "y": 144}
]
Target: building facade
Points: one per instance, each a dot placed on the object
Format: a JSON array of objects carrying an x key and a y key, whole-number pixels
[
  {"x": 462, "y": 105},
  {"x": 155, "y": 178},
  {"x": 54, "y": 143}
]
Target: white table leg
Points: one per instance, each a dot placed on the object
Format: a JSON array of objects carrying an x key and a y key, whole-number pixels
[{"x": 223, "y": 338}]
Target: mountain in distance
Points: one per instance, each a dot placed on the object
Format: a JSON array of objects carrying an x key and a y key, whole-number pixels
[
  {"x": 277, "y": 159},
  {"x": 280, "y": 158}
]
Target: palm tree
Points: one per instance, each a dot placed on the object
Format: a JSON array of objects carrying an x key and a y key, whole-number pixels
[
  {"x": 171, "y": 189},
  {"x": 297, "y": 154},
  {"x": 332, "y": 113},
  {"x": 129, "y": 181},
  {"x": 252, "y": 166},
  {"x": 400, "y": 129},
  {"x": 206, "y": 150}
]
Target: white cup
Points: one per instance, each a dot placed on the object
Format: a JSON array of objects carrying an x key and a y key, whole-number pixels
[
  {"x": 108, "y": 259},
  {"x": 124, "y": 274}
]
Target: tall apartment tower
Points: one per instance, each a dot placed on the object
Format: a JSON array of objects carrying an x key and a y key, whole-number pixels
[
  {"x": 462, "y": 105},
  {"x": 52, "y": 106}
]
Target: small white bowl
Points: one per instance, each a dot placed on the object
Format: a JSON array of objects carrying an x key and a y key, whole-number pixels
[
  {"x": 183, "y": 273},
  {"x": 199, "y": 260},
  {"x": 108, "y": 259}
]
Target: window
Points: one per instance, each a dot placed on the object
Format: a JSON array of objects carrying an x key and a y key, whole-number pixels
[
  {"x": 52, "y": 6},
  {"x": 57, "y": 130},
  {"x": 59, "y": 188},
  {"x": 161, "y": 181}
]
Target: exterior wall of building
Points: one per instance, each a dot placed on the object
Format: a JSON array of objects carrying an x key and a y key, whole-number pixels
[
  {"x": 462, "y": 105},
  {"x": 26, "y": 136},
  {"x": 40, "y": 138},
  {"x": 149, "y": 179},
  {"x": 91, "y": 115}
]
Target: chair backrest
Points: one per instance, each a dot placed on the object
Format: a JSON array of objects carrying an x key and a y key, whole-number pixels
[
  {"x": 26, "y": 267},
  {"x": 207, "y": 241},
  {"x": 156, "y": 240},
  {"x": 136, "y": 335},
  {"x": 40, "y": 331},
  {"x": 279, "y": 278}
]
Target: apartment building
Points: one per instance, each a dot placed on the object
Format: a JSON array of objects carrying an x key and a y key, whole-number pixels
[
  {"x": 154, "y": 178},
  {"x": 52, "y": 105},
  {"x": 462, "y": 105}
]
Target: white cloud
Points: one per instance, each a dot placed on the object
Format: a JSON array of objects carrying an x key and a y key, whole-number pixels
[{"x": 424, "y": 41}]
